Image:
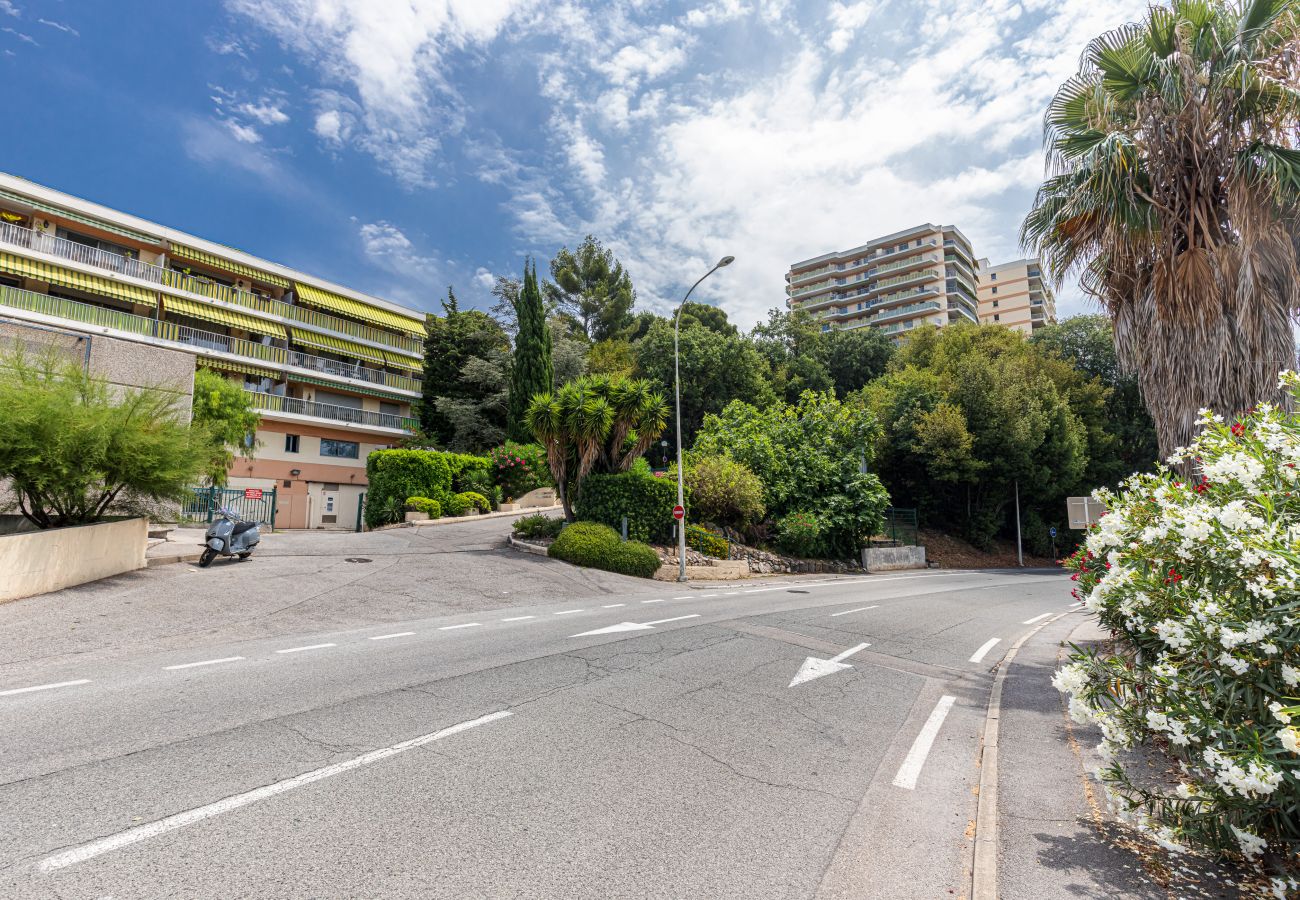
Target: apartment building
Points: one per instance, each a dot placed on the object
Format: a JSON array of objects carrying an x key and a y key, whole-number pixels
[
  {"x": 333, "y": 371},
  {"x": 921, "y": 276},
  {"x": 1013, "y": 294}
]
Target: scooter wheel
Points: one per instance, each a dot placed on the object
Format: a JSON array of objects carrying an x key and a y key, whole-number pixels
[
  {"x": 245, "y": 555},
  {"x": 206, "y": 559}
]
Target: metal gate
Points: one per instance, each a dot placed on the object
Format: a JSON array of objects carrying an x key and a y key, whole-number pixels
[
  {"x": 900, "y": 525},
  {"x": 206, "y": 501}
]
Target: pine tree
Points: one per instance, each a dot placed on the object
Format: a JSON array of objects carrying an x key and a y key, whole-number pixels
[{"x": 532, "y": 372}]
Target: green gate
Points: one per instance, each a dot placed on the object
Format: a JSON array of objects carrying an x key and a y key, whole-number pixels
[
  {"x": 900, "y": 525},
  {"x": 206, "y": 501}
]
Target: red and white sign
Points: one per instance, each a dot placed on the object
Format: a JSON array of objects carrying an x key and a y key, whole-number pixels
[
  {"x": 679, "y": 513},
  {"x": 252, "y": 493}
]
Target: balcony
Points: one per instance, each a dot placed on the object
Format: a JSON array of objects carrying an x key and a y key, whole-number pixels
[
  {"x": 904, "y": 312},
  {"x": 274, "y": 403},
  {"x": 904, "y": 279},
  {"x": 912, "y": 248},
  {"x": 171, "y": 332},
  {"x": 902, "y": 264},
  {"x": 134, "y": 268}
]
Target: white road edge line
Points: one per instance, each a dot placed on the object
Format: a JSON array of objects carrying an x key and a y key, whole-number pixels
[
  {"x": 1035, "y": 619},
  {"x": 910, "y": 770},
  {"x": 44, "y": 687},
  {"x": 984, "y": 648},
  {"x": 206, "y": 662},
  {"x": 308, "y": 647},
  {"x": 518, "y": 618},
  {"x": 200, "y": 813},
  {"x": 859, "y": 609},
  {"x": 384, "y": 637},
  {"x": 466, "y": 625}
]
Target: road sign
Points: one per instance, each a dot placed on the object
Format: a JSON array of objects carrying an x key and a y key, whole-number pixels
[
  {"x": 252, "y": 493},
  {"x": 1052, "y": 531},
  {"x": 1084, "y": 511},
  {"x": 679, "y": 513}
]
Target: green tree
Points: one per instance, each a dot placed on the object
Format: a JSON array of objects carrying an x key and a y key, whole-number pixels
[
  {"x": 595, "y": 424},
  {"x": 444, "y": 354},
  {"x": 713, "y": 318},
  {"x": 225, "y": 413},
  {"x": 612, "y": 357},
  {"x": 592, "y": 287},
  {"x": 71, "y": 447},
  {"x": 854, "y": 357},
  {"x": 1177, "y": 195},
  {"x": 466, "y": 382},
  {"x": 532, "y": 372},
  {"x": 794, "y": 348},
  {"x": 569, "y": 349}
]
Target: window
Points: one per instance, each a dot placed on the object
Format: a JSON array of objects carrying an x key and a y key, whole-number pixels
[
  {"x": 993, "y": 276},
  {"x": 291, "y": 443},
  {"x": 997, "y": 317},
  {"x": 339, "y": 449},
  {"x": 995, "y": 288},
  {"x": 995, "y": 304},
  {"x": 329, "y": 486},
  {"x": 390, "y": 409},
  {"x": 288, "y": 483},
  {"x": 95, "y": 243}
]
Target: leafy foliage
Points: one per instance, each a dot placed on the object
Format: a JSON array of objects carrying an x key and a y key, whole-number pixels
[
  {"x": 592, "y": 287},
  {"x": 431, "y": 508},
  {"x": 707, "y": 542},
  {"x": 600, "y": 547},
  {"x": 723, "y": 491},
  {"x": 225, "y": 412},
  {"x": 518, "y": 468},
  {"x": 646, "y": 501},
  {"x": 395, "y": 475},
  {"x": 801, "y": 534},
  {"x": 467, "y": 500},
  {"x": 532, "y": 372},
  {"x": 538, "y": 526},
  {"x": 466, "y": 388}
]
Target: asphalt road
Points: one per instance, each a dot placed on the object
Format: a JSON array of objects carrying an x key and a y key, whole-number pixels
[{"x": 451, "y": 719}]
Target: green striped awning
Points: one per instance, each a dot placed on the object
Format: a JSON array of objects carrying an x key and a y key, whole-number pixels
[
  {"x": 105, "y": 287},
  {"x": 77, "y": 217},
  {"x": 218, "y": 262},
  {"x": 412, "y": 324},
  {"x": 224, "y": 366},
  {"x": 372, "y": 392}
]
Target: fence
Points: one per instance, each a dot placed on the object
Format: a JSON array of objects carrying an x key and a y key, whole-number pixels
[
  {"x": 207, "y": 501},
  {"x": 900, "y": 525}
]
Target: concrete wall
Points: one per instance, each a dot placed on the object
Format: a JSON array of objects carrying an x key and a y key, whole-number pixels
[
  {"x": 36, "y": 562},
  {"x": 887, "y": 559}
]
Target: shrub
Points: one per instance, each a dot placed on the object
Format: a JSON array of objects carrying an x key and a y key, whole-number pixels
[
  {"x": 431, "y": 508},
  {"x": 469, "y": 472},
  {"x": 646, "y": 501},
  {"x": 724, "y": 491},
  {"x": 474, "y": 500},
  {"x": 538, "y": 526},
  {"x": 519, "y": 468},
  {"x": 801, "y": 534},
  {"x": 456, "y": 505},
  {"x": 398, "y": 474},
  {"x": 1199, "y": 578},
  {"x": 707, "y": 542},
  {"x": 600, "y": 547}
]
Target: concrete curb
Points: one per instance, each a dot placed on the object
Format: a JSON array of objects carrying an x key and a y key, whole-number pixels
[
  {"x": 984, "y": 869},
  {"x": 527, "y": 547},
  {"x": 169, "y": 559},
  {"x": 461, "y": 520}
]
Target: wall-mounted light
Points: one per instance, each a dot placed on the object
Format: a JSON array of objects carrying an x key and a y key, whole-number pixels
[{"x": 295, "y": 472}]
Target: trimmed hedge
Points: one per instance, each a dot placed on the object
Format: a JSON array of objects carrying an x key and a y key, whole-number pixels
[
  {"x": 708, "y": 543},
  {"x": 394, "y": 475},
  {"x": 431, "y": 508},
  {"x": 476, "y": 500},
  {"x": 469, "y": 473},
  {"x": 646, "y": 501},
  {"x": 598, "y": 546}
]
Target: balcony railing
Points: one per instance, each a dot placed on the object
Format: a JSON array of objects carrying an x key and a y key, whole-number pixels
[
  {"x": 904, "y": 279},
  {"x": 277, "y": 403},
  {"x": 183, "y": 334},
  {"x": 905, "y": 311},
  {"x": 134, "y": 268},
  {"x": 901, "y": 264}
]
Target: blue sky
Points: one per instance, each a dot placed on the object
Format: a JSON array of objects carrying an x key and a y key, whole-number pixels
[{"x": 398, "y": 146}]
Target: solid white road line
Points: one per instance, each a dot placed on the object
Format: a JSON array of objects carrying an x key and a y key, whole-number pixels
[
  {"x": 44, "y": 687},
  {"x": 565, "y": 612},
  {"x": 206, "y": 662},
  {"x": 660, "y": 600},
  {"x": 198, "y": 814},
  {"x": 613, "y": 605},
  {"x": 308, "y": 647},
  {"x": 1035, "y": 619},
  {"x": 384, "y": 637},
  {"x": 466, "y": 625},
  {"x": 910, "y": 770},
  {"x": 518, "y": 618},
  {"x": 984, "y": 648},
  {"x": 859, "y": 609},
  {"x": 674, "y": 619}
]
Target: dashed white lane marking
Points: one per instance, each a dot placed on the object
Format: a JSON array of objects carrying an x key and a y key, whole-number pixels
[
  {"x": 674, "y": 619},
  {"x": 308, "y": 647},
  {"x": 984, "y": 648},
  {"x": 206, "y": 662},
  {"x": 454, "y": 627},
  {"x": 859, "y": 609},
  {"x": 384, "y": 637},
  {"x": 660, "y": 600},
  {"x": 518, "y": 618},
  {"x": 731, "y": 593},
  {"x": 565, "y": 612},
  {"x": 702, "y": 596},
  {"x": 613, "y": 605},
  {"x": 1035, "y": 619},
  {"x": 44, "y": 687},
  {"x": 683, "y": 597},
  {"x": 198, "y": 814},
  {"x": 910, "y": 770}
]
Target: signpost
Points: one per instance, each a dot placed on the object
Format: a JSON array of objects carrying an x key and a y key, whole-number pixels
[{"x": 679, "y": 513}]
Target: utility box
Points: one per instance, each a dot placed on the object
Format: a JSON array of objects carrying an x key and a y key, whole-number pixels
[{"x": 1084, "y": 511}]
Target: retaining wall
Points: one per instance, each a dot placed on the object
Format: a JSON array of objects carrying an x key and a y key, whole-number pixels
[{"x": 36, "y": 562}]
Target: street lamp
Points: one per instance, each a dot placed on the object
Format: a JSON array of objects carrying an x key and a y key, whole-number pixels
[{"x": 677, "y": 392}]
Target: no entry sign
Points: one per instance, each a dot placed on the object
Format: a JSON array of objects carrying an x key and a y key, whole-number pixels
[
  {"x": 252, "y": 493},
  {"x": 679, "y": 513}
]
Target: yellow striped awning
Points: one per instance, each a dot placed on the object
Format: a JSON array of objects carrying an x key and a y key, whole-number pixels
[
  {"x": 356, "y": 309},
  {"x": 222, "y": 365},
  {"x": 338, "y": 345},
  {"x": 229, "y": 317},
  {"x": 105, "y": 287},
  {"x": 403, "y": 362},
  {"x": 77, "y": 217},
  {"x": 217, "y": 262}
]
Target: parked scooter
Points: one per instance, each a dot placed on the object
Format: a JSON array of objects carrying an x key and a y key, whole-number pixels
[{"x": 229, "y": 535}]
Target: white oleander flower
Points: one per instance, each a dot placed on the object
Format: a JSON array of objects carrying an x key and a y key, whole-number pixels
[
  {"x": 1290, "y": 739},
  {"x": 1276, "y": 708},
  {"x": 1251, "y": 845}
]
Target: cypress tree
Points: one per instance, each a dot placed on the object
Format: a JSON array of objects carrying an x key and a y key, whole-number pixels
[{"x": 532, "y": 372}]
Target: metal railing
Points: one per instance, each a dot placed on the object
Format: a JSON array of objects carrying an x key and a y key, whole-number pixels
[
  {"x": 206, "y": 502},
  {"x": 163, "y": 330},
  {"x": 904, "y": 279},
  {"x": 277, "y": 403},
  {"x": 901, "y": 264},
  {"x": 134, "y": 268},
  {"x": 904, "y": 311},
  {"x": 900, "y": 525}
]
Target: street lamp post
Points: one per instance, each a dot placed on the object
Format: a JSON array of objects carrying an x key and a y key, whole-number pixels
[{"x": 677, "y": 392}]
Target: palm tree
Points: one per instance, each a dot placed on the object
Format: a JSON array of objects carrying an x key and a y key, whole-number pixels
[{"x": 1174, "y": 189}]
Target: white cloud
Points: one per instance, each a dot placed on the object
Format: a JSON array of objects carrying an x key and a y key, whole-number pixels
[
  {"x": 386, "y": 245},
  {"x": 8, "y": 9},
  {"x": 244, "y": 133},
  {"x": 25, "y": 38},
  {"x": 848, "y": 18},
  {"x": 59, "y": 26},
  {"x": 484, "y": 279},
  {"x": 265, "y": 112}
]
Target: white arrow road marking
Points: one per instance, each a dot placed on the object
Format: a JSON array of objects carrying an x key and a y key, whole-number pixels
[
  {"x": 634, "y": 626},
  {"x": 44, "y": 687},
  {"x": 1035, "y": 619},
  {"x": 815, "y": 668},
  {"x": 198, "y": 814},
  {"x": 984, "y": 648},
  {"x": 859, "y": 609},
  {"x": 910, "y": 770}
]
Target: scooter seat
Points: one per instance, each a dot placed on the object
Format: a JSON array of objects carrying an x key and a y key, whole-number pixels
[{"x": 241, "y": 527}]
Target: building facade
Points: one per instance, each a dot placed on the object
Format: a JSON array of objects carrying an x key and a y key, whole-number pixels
[
  {"x": 1014, "y": 295},
  {"x": 333, "y": 371},
  {"x": 921, "y": 276}
]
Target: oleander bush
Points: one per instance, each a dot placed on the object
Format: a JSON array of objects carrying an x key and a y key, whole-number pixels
[
  {"x": 519, "y": 468},
  {"x": 538, "y": 526},
  {"x": 598, "y": 546},
  {"x": 1198, "y": 575},
  {"x": 431, "y": 508},
  {"x": 707, "y": 542}
]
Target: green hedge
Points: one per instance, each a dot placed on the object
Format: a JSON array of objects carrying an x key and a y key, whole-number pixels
[
  {"x": 469, "y": 473},
  {"x": 431, "y": 508},
  {"x": 599, "y": 547},
  {"x": 395, "y": 475},
  {"x": 708, "y": 543},
  {"x": 475, "y": 500},
  {"x": 538, "y": 526},
  {"x": 646, "y": 501}
]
